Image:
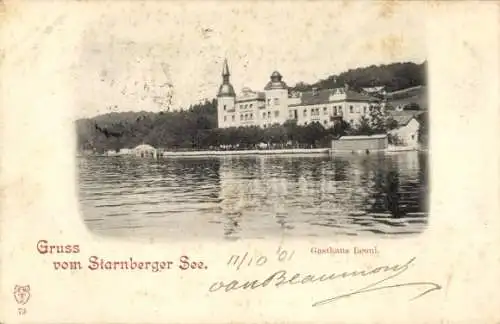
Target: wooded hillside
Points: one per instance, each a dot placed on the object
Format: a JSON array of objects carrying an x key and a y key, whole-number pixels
[{"x": 394, "y": 77}]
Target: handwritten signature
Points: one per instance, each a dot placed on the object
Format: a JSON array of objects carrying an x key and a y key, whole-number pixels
[{"x": 281, "y": 278}]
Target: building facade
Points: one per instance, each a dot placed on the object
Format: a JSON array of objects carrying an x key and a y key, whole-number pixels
[
  {"x": 360, "y": 143},
  {"x": 145, "y": 150},
  {"x": 277, "y": 104},
  {"x": 408, "y": 128}
]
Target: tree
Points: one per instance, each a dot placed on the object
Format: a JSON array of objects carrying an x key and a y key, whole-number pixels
[
  {"x": 340, "y": 128},
  {"x": 423, "y": 130},
  {"x": 390, "y": 123},
  {"x": 313, "y": 132},
  {"x": 394, "y": 139},
  {"x": 275, "y": 134},
  {"x": 302, "y": 86},
  {"x": 250, "y": 136},
  {"x": 292, "y": 130},
  {"x": 378, "y": 117},
  {"x": 363, "y": 127}
]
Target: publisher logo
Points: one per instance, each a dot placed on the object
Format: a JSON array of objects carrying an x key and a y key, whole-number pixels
[{"x": 22, "y": 294}]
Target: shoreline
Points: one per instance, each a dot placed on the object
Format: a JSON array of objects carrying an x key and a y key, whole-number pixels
[
  {"x": 248, "y": 152},
  {"x": 315, "y": 151}
]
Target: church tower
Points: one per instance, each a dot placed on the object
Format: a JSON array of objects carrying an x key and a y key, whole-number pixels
[{"x": 226, "y": 114}]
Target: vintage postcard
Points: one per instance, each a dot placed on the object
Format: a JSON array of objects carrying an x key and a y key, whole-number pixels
[{"x": 249, "y": 162}]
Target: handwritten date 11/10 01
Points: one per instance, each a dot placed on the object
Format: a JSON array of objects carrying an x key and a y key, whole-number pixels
[{"x": 257, "y": 259}]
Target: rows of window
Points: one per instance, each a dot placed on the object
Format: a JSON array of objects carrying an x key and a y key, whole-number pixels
[
  {"x": 268, "y": 114},
  {"x": 246, "y": 116},
  {"x": 250, "y": 116},
  {"x": 245, "y": 106},
  {"x": 241, "y": 106},
  {"x": 314, "y": 113},
  {"x": 276, "y": 101},
  {"x": 358, "y": 109},
  {"x": 337, "y": 110}
]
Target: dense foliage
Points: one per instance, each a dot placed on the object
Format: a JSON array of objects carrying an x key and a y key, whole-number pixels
[
  {"x": 394, "y": 77},
  {"x": 165, "y": 129},
  {"x": 423, "y": 131},
  {"x": 196, "y": 129}
]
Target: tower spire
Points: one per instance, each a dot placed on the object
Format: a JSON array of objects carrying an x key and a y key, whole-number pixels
[
  {"x": 225, "y": 71},
  {"x": 226, "y": 89}
]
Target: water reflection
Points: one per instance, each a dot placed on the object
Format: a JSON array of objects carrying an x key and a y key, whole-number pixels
[{"x": 255, "y": 196}]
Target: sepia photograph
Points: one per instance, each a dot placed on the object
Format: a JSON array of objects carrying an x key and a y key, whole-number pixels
[
  {"x": 249, "y": 161},
  {"x": 222, "y": 130}
]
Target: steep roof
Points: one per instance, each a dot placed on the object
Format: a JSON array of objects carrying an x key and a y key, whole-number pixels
[
  {"x": 358, "y": 137},
  {"x": 250, "y": 96},
  {"x": 226, "y": 89},
  {"x": 373, "y": 89},
  {"x": 404, "y": 117},
  {"x": 357, "y": 96},
  {"x": 314, "y": 98},
  {"x": 276, "y": 82},
  {"x": 225, "y": 68},
  {"x": 319, "y": 97},
  {"x": 144, "y": 147}
]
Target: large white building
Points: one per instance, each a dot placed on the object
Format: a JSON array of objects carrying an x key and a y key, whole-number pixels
[{"x": 276, "y": 104}]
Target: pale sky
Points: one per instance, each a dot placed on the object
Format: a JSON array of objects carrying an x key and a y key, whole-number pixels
[{"x": 135, "y": 56}]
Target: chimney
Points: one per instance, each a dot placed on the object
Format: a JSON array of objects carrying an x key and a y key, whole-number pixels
[{"x": 315, "y": 91}]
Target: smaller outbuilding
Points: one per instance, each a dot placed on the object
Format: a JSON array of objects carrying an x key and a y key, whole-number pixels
[
  {"x": 145, "y": 150},
  {"x": 407, "y": 130},
  {"x": 361, "y": 143}
]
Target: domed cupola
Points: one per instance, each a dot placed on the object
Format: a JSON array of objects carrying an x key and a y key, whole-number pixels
[
  {"x": 276, "y": 82},
  {"x": 226, "y": 89}
]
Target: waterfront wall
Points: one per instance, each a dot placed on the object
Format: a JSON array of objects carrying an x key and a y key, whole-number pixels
[
  {"x": 358, "y": 148},
  {"x": 360, "y": 143},
  {"x": 249, "y": 152},
  {"x": 394, "y": 148}
]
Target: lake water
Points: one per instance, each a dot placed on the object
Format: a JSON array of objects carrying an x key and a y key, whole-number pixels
[{"x": 255, "y": 196}]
